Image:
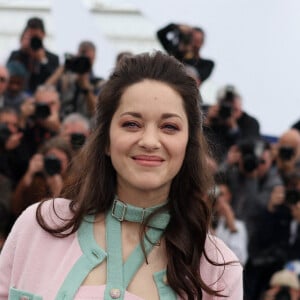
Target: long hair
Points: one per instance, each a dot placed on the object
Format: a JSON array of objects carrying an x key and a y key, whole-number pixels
[{"x": 92, "y": 185}]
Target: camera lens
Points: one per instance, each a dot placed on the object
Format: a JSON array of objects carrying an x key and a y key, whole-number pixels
[
  {"x": 36, "y": 43},
  {"x": 77, "y": 140},
  {"x": 286, "y": 153},
  {"x": 52, "y": 165},
  {"x": 42, "y": 110}
]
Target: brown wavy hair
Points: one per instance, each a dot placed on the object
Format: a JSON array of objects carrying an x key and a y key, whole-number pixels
[{"x": 92, "y": 185}]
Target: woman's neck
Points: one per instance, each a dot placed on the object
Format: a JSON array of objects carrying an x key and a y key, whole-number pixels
[{"x": 142, "y": 198}]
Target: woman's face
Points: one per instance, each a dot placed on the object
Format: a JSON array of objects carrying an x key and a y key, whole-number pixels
[{"x": 148, "y": 137}]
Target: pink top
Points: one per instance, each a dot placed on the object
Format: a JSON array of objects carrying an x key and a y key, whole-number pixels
[
  {"x": 33, "y": 261},
  {"x": 97, "y": 293}
]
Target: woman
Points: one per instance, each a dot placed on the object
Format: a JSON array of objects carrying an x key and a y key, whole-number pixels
[{"x": 136, "y": 227}]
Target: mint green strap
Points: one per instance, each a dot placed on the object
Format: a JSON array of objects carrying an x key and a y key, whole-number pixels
[
  {"x": 15, "y": 294},
  {"x": 92, "y": 256},
  {"x": 136, "y": 258},
  {"x": 119, "y": 275},
  {"x": 114, "y": 273},
  {"x": 164, "y": 290},
  {"x": 120, "y": 211}
]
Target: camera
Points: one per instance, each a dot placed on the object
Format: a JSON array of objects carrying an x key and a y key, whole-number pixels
[
  {"x": 226, "y": 102},
  {"x": 77, "y": 140},
  {"x": 77, "y": 64},
  {"x": 42, "y": 110},
  {"x": 251, "y": 151},
  {"x": 36, "y": 43},
  {"x": 286, "y": 153},
  {"x": 292, "y": 196},
  {"x": 225, "y": 111},
  {"x": 52, "y": 165},
  {"x": 185, "y": 38},
  {"x": 4, "y": 133}
]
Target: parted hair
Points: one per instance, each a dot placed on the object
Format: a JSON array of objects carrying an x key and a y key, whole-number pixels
[{"x": 92, "y": 190}]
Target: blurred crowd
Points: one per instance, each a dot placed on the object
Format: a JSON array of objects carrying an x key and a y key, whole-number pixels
[{"x": 46, "y": 115}]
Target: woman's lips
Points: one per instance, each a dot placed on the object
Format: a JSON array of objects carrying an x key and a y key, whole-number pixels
[{"x": 145, "y": 160}]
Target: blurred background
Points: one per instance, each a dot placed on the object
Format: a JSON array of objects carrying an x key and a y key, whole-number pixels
[{"x": 254, "y": 44}]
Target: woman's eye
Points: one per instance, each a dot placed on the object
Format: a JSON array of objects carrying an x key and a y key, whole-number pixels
[
  {"x": 170, "y": 127},
  {"x": 130, "y": 124}
]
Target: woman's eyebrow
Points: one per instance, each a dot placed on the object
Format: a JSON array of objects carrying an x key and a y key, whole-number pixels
[
  {"x": 131, "y": 113},
  {"x": 170, "y": 115},
  {"x": 139, "y": 115}
]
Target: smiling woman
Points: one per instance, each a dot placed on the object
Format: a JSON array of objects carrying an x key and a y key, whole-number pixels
[
  {"x": 136, "y": 225},
  {"x": 148, "y": 134}
]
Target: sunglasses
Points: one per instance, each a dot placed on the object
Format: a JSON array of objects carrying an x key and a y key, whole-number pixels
[{"x": 3, "y": 79}]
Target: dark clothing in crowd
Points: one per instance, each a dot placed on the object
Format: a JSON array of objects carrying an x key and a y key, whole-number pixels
[
  {"x": 221, "y": 137},
  {"x": 203, "y": 66},
  {"x": 38, "y": 72},
  {"x": 35, "y": 136},
  {"x": 13, "y": 163},
  {"x": 271, "y": 250}
]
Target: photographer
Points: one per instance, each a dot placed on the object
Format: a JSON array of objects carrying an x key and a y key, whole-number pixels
[
  {"x": 258, "y": 191},
  {"x": 38, "y": 62},
  {"x": 14, "y": 154},
  {"x": 226, "y": 226},
  {"x": 252, "y": 178},
  {"x": 284, "y": 285},
  {"x": 75, "y": 129},
  {"x": 15, "y": 95},
  {"x": 279, "y": 236},
  {"x": 76, "y": 82},
  {"x": 226, "y": 123},
  {"x": 288, "y": 153},
  {"x": 44, "y": 176},
  {"x": 185, "y": 42},
  {"x": 40, "y": 117}
]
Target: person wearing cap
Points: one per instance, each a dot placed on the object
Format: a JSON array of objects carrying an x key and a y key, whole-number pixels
[
  {"x": 283, "y": 283},
  {"x": 38, "y": 61},
  {"x": 15, "y": 93}
]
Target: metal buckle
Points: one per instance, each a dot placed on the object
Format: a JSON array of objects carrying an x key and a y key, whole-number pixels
[{"x": 124, "y": 209}]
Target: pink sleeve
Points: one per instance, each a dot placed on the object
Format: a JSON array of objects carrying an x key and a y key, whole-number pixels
[
  {"x": 229, "y": 278},
  {"x": 7, "y": 257}
]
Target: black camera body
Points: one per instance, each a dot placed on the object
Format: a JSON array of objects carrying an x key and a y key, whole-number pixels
[
  {"x": 36, "y": 43},
  {"x": 225, "y": 111},
  {"x": 185, "y": 38},
  {"x": 286, "y": 153},
  {"x": 226, "y": 103},
  {"x": 292, "y": 196},
  {"x": 77, "y": 64},
  {"x": 77, "y": 140},
  {"x": 42, "y": 110},
  {"x": 251, "y": 151},
  {"x": 52, "y": 165},
  {"x": 4, "y": 133}
]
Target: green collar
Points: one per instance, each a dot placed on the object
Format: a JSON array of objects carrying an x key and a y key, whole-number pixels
[{"x": 122, "y": 211}]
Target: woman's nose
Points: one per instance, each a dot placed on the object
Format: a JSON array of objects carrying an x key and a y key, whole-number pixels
[{"x": 150, "y": 139}]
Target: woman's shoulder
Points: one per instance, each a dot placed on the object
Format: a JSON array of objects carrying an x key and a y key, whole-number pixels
[{"x": 53, "y": 212}]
